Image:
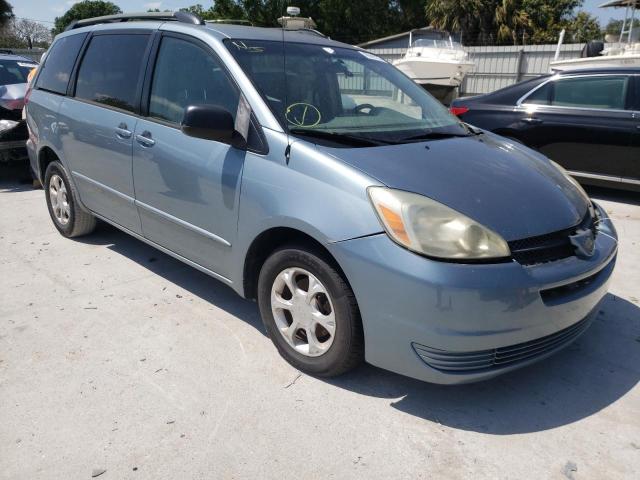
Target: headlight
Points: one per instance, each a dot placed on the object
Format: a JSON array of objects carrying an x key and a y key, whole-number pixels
[
  {"x": 7, "y": 125},
  {"x": 428, "y": 227},
  {"x": 572, "y": 180}
]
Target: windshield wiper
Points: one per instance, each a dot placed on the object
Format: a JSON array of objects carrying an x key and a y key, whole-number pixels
[
  {"x": 434, "y": 136},
  {"x": 473, "y": 130},
  {"x": 339, "y": 137}
]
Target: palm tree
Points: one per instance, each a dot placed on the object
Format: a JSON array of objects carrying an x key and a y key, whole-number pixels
[
  {"x": 472, "y": 18},
  {"x": 509, "y": 18}
]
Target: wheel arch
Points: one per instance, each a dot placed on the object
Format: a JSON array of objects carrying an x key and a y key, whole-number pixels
[
  {"x": 267, "y": 242},
  {"x": 46, "y": 155}
]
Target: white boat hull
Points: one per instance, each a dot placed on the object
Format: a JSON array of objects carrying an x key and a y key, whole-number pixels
[
  {"x": 603, "y": 61},
  {"x": 434, "y": 71}
]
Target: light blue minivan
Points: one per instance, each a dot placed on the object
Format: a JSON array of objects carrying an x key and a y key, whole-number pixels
[{"x": 312, "y": 176}]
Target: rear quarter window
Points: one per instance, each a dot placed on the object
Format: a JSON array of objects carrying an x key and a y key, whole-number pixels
[
  {"x": 541, "y": 96},
  {"x": 111, "y": 69},
  {"x": 55, "y": 73}
]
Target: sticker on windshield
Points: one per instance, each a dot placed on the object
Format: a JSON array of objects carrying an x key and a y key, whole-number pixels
[
  {"x": 303, "y": 115},
  {"x": 240, "y": 45},
  {"x": 329, "y": 50},
  {"x": 29, "y": 65},
  {"x": 370, "y": 56}
]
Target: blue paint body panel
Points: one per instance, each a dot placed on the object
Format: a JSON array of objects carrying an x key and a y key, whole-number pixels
[{"x": 406, "y": 298}]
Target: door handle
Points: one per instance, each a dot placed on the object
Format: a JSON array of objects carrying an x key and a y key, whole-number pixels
[
  {"x": 122, "y": 131},
  {"x": 532, "y": 120},
  {"x": 145, "y": 139}
]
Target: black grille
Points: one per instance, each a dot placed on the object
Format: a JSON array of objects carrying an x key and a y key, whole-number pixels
[
  {"x": 482, "y": 360},
  {"x": 551, "y": 246}
]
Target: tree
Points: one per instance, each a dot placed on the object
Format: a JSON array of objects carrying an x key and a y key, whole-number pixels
[
  {"x": 511, "y": 20},
  {"x": 221, "y": 9},
  {"x": 584, "y": 28},
  {"x": 472, "y": 18},
  {"x": 31, "y": 33},
  {"x": 614, "y": 27},
  {"x": 356, "y": 22},
  {"x": 6, "y": 12},
  {"x": 84, "y": 9},
  {"x": 549, "y": 17}
]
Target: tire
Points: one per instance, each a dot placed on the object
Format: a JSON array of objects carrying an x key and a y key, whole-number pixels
[
  {"x": 343, "y": 349},
  {"x": 75, "y": 221}
]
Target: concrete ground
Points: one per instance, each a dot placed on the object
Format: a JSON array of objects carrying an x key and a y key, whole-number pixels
[{"x": 116, "y": 357}]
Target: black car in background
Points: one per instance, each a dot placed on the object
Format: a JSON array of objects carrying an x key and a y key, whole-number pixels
[
  {"x": 14, "y": 72},
  {"x": 586, "y": 120}
]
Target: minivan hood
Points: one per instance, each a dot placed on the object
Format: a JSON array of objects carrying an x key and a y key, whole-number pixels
[{"x": 509, "y": 188}]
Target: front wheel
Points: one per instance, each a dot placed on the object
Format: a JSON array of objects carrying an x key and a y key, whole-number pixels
[{"x": 310, "y": 312}]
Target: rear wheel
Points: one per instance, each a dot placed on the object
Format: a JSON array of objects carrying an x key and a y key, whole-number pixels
[
  {"x": 310, "y": 312},
  {"x": 62, "y": 200}
]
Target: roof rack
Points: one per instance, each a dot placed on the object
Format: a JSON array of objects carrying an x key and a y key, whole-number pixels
[
  {"x": 310, "y": 30},
  {"x": 230, "y": 21},
  {"x": 183, "y": 17}
]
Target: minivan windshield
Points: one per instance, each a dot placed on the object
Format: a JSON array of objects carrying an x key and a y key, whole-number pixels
[{"x": 342, "y": 95}]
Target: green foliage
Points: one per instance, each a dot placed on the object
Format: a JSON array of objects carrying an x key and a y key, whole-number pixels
[
  {"x": 6, "y": 12},
  {"x": 584, "y": 28},
  {"x": 513, "y": 21},
  {"x": 84, "y": 9},
  {"x": 348, "y": 21},
  {"x": 356, "y": 21},
  {"x": 614, "y": 27}
]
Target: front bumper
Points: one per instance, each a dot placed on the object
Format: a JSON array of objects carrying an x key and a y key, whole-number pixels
[
  {"x": 13, "y": 144},
  {"x": 410, "y": 304}
]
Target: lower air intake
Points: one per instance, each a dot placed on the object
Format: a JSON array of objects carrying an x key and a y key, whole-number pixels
[{"x": 497, "y": 358}]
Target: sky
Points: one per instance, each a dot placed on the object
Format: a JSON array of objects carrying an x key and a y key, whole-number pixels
[{"x": 46, "y": 10}]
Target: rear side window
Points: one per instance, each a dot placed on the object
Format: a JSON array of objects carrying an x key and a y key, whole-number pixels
[
  {"x": 55, "y": 73},
  {"x": 184, "y": 75},
  {"x": 111, "y": 68},
  {"x": 605, "y": 92}
]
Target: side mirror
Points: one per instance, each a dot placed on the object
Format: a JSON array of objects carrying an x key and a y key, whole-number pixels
[{"x": 212, "y": 122}]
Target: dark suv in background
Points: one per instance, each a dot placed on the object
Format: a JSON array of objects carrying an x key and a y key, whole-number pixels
[{"x": 586, "y": 120}]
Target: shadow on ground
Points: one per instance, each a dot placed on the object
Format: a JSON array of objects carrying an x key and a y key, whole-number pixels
[
  {"x": 597, "y": 370},
  {"x": 15, "y": 178},
  {"x": 174, "y": 271},
  {"x": 621, "y": 196}
]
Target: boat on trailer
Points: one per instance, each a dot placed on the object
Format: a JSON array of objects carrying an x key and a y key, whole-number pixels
[
  {"x": 617, "y": 51},
  {"x": 435, "y": 61}
]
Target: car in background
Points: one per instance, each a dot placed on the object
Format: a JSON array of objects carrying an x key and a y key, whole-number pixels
[
  {"x": 14, "y": 77},
  {"x": 588, "y": 121}
]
